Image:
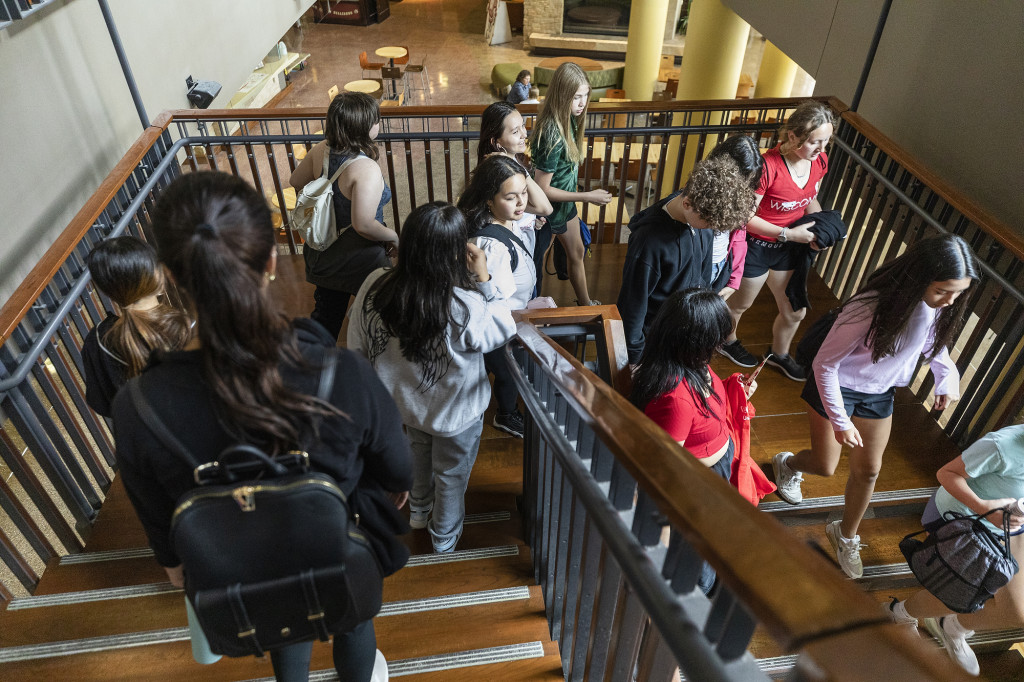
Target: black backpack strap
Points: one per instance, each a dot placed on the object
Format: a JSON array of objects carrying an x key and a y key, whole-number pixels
[
  {"x": 156, "y": 425},
  {"x": 246, "y": 630},
  {"x": 506, "y": 237}
]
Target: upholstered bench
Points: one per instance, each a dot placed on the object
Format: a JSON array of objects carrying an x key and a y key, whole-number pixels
[
  {"x": 503, "y": 76},
  {"x": 600, "y": 81}
]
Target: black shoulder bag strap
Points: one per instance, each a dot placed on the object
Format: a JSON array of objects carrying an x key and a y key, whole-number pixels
[
  {"x": 170, "y": 441},
  {"x": 506, "y": 237}
]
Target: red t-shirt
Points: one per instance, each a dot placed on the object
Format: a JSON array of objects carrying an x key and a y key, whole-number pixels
[
  {"x": 680, "y": 413},
  {"x": 784, "y": 202}
]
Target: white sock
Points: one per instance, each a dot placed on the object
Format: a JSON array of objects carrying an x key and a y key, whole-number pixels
[
  {"x": 951, "y": 625},
  {"x": 899, "y": 609}
]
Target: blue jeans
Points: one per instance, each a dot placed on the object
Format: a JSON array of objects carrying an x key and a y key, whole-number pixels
[
  {"x": 354, "y": 655},
  {"x": 440, "y": 475}
]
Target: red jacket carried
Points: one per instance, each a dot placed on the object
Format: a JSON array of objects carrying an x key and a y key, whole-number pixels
[{"x": 747, "y": 476}]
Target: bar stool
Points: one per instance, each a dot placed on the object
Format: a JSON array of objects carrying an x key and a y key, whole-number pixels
[
  {"x": 392, "y": 76},
  {"x": 332, "y": 92},
  {"x": 420, "y": 70}
]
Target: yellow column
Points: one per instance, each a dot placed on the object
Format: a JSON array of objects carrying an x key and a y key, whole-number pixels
[
  {"x": 716, "y": 39},
  {"x": 775, "y": 78},
  {"x": 643, "y": 48}
]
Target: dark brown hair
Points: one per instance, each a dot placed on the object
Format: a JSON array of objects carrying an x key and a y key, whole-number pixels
[
  {"x": 126, "y": 270},
  {"x": 349, "y": 119},
  {"x": 214, "y": 234}
]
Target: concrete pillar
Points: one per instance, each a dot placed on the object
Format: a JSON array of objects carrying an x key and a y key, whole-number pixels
[
  {"x": 716, "y": 39},
  {"x": 777, "y": 73},
  {"x": 643, "y": 48}
]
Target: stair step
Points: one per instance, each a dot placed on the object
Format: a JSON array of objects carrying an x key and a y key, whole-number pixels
[
  {"x": 458, "y": 659},
  {"x": 911, "y": 497}
]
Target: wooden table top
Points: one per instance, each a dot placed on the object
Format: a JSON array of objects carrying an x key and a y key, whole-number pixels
[
  {"x": 366, "y": 86},
  {"x": 289, "y": 198},
  {"x": 391, "y": 52},
  {"x": 584, "y": 63},
  {"x": 636, "y": 151},
  {"x": 592, "y": 212}
]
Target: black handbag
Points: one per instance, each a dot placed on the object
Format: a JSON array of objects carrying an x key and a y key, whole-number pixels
[
  {"x": 271, "y": 554},
  {"x": 961, "y": 562}
]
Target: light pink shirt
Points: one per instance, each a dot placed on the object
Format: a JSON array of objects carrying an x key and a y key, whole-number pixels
[{"x": 845, "y": 359}]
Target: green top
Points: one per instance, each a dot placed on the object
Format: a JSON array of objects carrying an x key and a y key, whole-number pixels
[{"x": 551, "y": 157}]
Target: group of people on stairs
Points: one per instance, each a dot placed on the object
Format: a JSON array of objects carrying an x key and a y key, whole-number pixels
[{"x": 431, "y": 315}]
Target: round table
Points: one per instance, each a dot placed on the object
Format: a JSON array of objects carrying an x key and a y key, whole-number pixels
[
  {"x": 584, "y": 63},
  {"x": 289, "y": 198},
  {"x": 391, "y": 52},
  {"x": 366, "y": 86}
]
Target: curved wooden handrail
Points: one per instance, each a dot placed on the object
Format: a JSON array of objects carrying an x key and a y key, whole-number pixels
[
  {"x": 1002, "y": 232},
  {"x": 15, "y": 308},
  {"x": 798, "y": 596}
]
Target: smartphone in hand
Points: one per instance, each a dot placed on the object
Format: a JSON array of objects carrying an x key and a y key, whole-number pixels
[{"x": 757, "y": 370}]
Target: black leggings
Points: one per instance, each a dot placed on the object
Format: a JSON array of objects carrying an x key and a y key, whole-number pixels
[
  {"x": 329, "y": 308},
  {"x": 354, "y": 655},
  {"x": 505, "y": 392}
]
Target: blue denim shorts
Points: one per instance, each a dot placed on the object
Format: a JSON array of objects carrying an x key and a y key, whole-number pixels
[{"x": 857, "y": 403}]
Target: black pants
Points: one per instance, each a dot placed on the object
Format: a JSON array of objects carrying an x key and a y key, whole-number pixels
[
  {"x": 329, "y": 308},
  {"x": 354, "y": 655},
  {"x": 505, "y": 391},
  {"x": 540, "y": 247}
]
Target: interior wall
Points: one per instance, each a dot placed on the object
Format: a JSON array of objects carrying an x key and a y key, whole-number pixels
[
  {"x": 67, "y": 116},
  {"x": 944, "y": 84}
]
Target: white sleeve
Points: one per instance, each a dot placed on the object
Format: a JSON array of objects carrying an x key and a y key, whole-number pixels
[
  {"x": 499, "y": 266},
  {"x": 490, "y": 323}
]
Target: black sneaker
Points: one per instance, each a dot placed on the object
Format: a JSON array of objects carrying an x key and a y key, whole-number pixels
[
  {"x": 510, "y": 423},
  {"x": 788, "y": 366},
  {"x": 738, "y": 354}
]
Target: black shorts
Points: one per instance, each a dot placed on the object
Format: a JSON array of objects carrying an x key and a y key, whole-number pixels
[
  {"x": 857, "y": 403},
  {"x": 763, "y": 256},
  {"x": 560, "y": 228}
]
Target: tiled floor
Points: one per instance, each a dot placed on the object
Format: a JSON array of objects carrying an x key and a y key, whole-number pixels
[{"x": 450, "y": 35}]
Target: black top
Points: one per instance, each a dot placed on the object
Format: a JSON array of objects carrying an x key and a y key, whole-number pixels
[
  {"x": 104, "y": 371},
  {"x": 664, "y": 256},
  {"x": 367, "y": 449}
]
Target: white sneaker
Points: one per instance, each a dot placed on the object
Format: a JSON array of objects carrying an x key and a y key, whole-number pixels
[
  {"x": 418, "y": 519},
  {"x": 897, "y": 613},
  {"x": 847, "y": 550},
  {"x": 380, "y": 668},
  {"x": 953, "y": 637},
  {"x": 786, "y": 480}
]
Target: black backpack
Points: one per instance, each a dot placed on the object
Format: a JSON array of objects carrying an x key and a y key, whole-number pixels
[
  {"x": 270, "y": 552},
  {"x": 812, "y": 339},
  {"x": 506, "y": 237}
]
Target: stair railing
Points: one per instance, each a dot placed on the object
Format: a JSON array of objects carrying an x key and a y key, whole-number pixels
[{"x": 619, "y": 520}]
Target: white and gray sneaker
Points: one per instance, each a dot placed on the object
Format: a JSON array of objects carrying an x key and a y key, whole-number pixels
[
  {"x": 953, "y": 637},
  {"x": 897, "y": 612},
  {"x": 786, "y": 480},
  {"x": 847, "y": 550},
  {"x": 418, "y": 518}
]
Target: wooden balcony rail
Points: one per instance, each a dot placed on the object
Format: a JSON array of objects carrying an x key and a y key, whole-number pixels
[{"x": 603, "y": 486}]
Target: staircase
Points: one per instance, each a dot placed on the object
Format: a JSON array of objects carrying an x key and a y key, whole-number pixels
[{"x": 110, "y": 614}]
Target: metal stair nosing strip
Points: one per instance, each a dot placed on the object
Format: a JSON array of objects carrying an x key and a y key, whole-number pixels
[
  {"x": 143, "y": 552},
  {"x": 989, "y": 640},
  {"x": 132, "y": 591},
  {"x": 29, "y": 652},
  {"x": 460, "y": 659},
  {"x": 816, "y": 505}
]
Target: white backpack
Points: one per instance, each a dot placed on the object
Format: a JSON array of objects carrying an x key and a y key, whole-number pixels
[{"x": 313, "y": 215}]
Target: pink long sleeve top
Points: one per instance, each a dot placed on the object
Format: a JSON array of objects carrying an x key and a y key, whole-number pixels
[{"x": 845, "y": 359}]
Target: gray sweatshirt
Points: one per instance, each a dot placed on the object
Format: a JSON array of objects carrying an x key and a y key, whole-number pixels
[{"x": 461, "y": 393}]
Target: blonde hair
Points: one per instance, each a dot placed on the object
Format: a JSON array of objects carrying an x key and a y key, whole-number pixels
[
  {"x": 555, "y": 117},
  {"x": 805, "y": 119}
]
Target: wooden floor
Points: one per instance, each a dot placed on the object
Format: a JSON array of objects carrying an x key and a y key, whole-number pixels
[{"x": 497, "y": 605}]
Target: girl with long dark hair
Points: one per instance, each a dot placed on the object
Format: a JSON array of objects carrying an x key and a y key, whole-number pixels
[
  {"x": 502, "y": 132},
  {"x": 558, "y": 149},
  {"x": 118, "y": 348},
  {"x": 497, "y": 196},
  {"x": 677, "y": 389},
  {"x": 251, "y": 376},
  {"x": 425, "y": 326},
  {"x": 787, "y": 192},
  {"x": 360, "y": 195},
  {"x": 909, "y": 308}
]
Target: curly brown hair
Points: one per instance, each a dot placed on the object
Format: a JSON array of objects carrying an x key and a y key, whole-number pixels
[{"x": 720, "y": 193}]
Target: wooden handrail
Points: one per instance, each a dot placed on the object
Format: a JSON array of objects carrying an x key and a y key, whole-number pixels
[
  {"x": 1002, "y": 232},
  {"x": 798, "y": 596}
]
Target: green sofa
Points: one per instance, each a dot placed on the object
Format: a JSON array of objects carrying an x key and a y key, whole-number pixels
[
  {"x": 600, "y": 81},
  {"x": 503, "y": 76}
]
